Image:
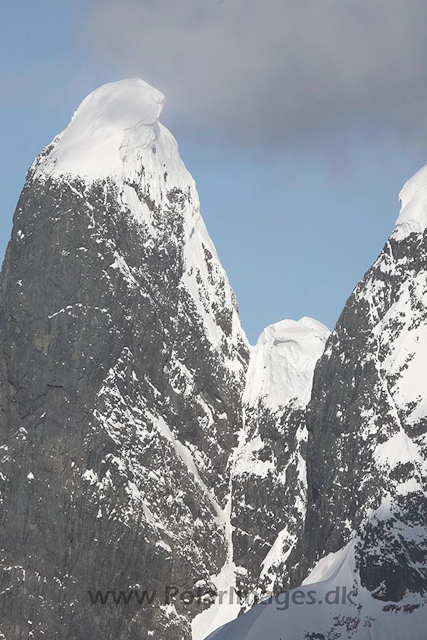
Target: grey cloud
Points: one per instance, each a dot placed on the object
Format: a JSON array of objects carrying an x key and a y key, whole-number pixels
[{"x": 274, "y": 72}]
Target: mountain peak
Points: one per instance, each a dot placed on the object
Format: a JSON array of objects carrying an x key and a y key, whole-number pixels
[
  {"x": 292, "y": 330},
  {"x": 124, "y": 104},
  {"x": 413, "y": 213},
  {"x": 112, "y": 120},
  {"x": 283, "y": 361}
]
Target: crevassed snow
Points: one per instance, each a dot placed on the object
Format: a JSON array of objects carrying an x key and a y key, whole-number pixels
[
  {"x": 283, "y": 361},
  {"x": 413, "y": 213}
]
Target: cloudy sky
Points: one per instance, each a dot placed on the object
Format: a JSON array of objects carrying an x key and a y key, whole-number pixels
[{"x": 300, "y": 121}]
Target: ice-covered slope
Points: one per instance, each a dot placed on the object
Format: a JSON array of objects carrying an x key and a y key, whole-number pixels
[
  {"x": 122, "y": 366},
  {"x": 366, "y": 513}
]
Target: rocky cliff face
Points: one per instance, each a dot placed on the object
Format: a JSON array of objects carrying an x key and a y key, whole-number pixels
[
  {"x": 122, "y": 367},
  {"x": 367, "y": 417},
  {"x": 145, "y": 447},
  {"x": 365, "y": 528}
]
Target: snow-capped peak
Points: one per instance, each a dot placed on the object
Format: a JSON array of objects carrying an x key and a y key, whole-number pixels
[
  {"x": 112, "y": 130},
  {"x": 283, "y": 360},
  {"x": 413, "y": 212},
  {"x": 115, "y": 137}
]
